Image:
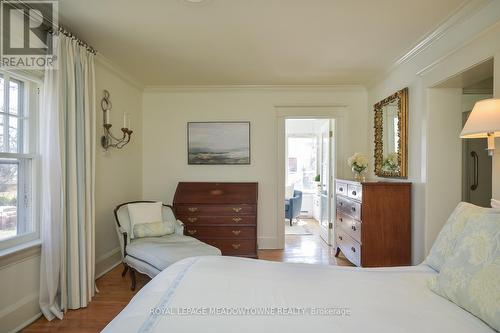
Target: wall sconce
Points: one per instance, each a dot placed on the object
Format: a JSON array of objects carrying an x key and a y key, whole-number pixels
[
  {"x": 484, "y": 122},
  {"x": 108, "y": 140}
]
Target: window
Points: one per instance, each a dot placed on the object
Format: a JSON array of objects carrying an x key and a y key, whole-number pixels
[
  {"x": 17, "y": 161},
  {"x": 302, "y": 164}
]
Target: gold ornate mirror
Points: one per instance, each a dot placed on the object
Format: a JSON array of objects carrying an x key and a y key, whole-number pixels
[{"x": 391, "y": 127}]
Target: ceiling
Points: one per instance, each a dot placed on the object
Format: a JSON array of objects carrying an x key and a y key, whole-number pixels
[{"x": 224, "y": 42}]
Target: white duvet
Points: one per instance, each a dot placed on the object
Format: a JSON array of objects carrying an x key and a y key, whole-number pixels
[{"x": 223, "y": 294}]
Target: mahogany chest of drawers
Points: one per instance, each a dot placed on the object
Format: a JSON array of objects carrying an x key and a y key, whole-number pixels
[
  {"x": 373, "y": 222},
  {"x": 223, "y": 215}
]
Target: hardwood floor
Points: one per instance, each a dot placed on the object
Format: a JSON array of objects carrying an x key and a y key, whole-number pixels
[
  {"x": 310, "y": 249},
  {"x": 114, "y": 290}
]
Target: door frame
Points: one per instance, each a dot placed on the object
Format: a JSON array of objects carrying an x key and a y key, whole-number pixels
[{"x": 338, "y": 112}]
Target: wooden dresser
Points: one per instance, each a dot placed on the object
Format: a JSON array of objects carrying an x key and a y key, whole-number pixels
[
  {"x": 373, "y": 222},
  {"x": 220, "y": 214}
]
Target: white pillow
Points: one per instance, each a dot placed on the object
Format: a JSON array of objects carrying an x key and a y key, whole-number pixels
[
  {"x": 495, "y": 203},
  {"x": 289, "y": 192},
  {"x": 144, "y": 212}
]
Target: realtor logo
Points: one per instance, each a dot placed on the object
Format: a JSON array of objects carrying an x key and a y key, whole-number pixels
[{"x": 25, "y": 39}]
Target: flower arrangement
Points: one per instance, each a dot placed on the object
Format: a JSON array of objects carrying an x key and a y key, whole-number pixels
[
  {"x": 391, "y": 162},
  {"x": 358, "y": 163}
]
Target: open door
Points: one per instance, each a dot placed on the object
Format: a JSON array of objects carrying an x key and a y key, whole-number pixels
[{"x": 326, "y": 188}]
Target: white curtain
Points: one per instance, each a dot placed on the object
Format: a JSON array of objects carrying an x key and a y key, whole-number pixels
[{"x": 67, "y": 149}]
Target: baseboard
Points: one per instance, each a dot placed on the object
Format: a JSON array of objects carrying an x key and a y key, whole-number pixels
[
  {"x": 26, "y": 323},
  {"x": 12, "y": 317},
  {"x": 267, "y": 243},
  {"x": 107, "y": 262}
]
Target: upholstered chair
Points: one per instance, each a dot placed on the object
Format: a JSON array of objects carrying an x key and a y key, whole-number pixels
[
  {"x": 293, "y": 206},
  {"x": 151, "y": 255}
]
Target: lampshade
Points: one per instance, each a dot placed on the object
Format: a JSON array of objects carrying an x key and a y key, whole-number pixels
[{"x": 484, "y": 119}]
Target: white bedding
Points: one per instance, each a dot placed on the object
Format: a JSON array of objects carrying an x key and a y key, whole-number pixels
[{"x": 371, "y": 300}]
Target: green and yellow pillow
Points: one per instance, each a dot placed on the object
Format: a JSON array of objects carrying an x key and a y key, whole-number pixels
[
  {"x": 446, "y": 240},
  {"x": 470, "y": 277},
  {"x": 154, "y": 229}
]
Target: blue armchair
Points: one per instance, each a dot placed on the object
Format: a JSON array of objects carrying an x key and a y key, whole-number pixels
[{"x": 293, "y": 206}]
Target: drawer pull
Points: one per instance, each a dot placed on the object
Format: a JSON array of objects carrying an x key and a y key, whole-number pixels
[
  {"x": 236, "y": 232},
  {"x": 237, "y": 219},
  {"x": 341, "y": 203},
  {"x": 340, "y": 237},
  {"x": 236, "y": 246},
  {"x": 341, "y": 219},
  {"x": 354, "y": 193},
  {"x": 353, "y": 249},
  {"x": 237, "y": 209},
  {"x": 192, "y": 232},
  {"x": 193, "y": 209},
  {"x": 353, "y": 209},
  {"x": 341, "y": 189},
  {"x": 192, "y": 219},
  {"x": 353, "y": 228}
]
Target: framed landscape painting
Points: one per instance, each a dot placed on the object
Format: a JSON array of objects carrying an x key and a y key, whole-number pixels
[{"x": 216, "y": 143}]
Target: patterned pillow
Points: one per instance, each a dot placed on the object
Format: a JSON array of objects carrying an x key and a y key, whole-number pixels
[
  {"x": 445, "y": 242},
  {"x": 470, "y": 278},
  {"x": 154, "y": 229}
]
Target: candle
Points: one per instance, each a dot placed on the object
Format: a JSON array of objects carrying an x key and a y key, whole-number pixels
[
  {"x": 106, "y": 118},
  {"x": 124, "y": 120},
  {"x": 128, "y": 123}
]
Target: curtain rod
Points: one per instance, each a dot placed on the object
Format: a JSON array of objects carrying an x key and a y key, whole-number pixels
[{"x": 54, "y": 28}]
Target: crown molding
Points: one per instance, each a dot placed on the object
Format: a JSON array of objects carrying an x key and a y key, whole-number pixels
[
  {"x": 124, "y": 75},
  {"x": 478, "y": 91},
  {"x": 466, "y": 9},
  {"x": 241, "y": 88}
]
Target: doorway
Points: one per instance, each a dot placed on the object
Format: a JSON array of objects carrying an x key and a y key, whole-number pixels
[
  {"x": 476, "y": 164},
  {"x": 309, "y": 169},
  {"x": 456, "y": 170}
]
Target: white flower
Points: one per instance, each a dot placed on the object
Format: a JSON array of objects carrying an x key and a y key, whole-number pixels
[{"x": 358, "y": 160}]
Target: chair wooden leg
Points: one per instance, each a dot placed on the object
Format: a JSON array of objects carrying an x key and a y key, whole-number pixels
[
  {"x": 290, "y": 222},
  {"x": 338, "y": 252},
  {"x": 125, "y": 269},
  {"x": 132, "y": 277}
]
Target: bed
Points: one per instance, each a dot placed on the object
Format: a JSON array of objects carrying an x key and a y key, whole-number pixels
[{"x": 228, "y": 294}]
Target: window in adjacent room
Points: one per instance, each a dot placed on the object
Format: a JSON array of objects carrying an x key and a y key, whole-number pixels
[
  {"x": 302, "y": 167},
  {"x": 17, "y": 160}
]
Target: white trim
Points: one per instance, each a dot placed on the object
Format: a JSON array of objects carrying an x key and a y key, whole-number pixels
[
  {"x": 267, "y": 243},
  {"x": 102, "y": 261},
  {"x": 471, "y": 20},
  {"x": 18, "y": 155},
  {"x": 465, "y": 10},
  {"x": 107, "y": 270},
  {"x": 14, "y": 307},
  {"x": 283, "y": 112},
  {"x": 101, "y": 59},
  {"x": 20, "y": 247},
  {"x": 26, "y": 323},
  {"x": 273, "y": 88},
  {"x": 466, "y": 42},
  {"x": 108, "y": 254}
]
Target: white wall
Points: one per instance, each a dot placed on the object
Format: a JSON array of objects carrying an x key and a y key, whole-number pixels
[
  {"x": 118, "y": 172},
  {"x": 444, "y": 163},
  {"x": 166, "y": 112},
  {"x": 465, "y": 44}
]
